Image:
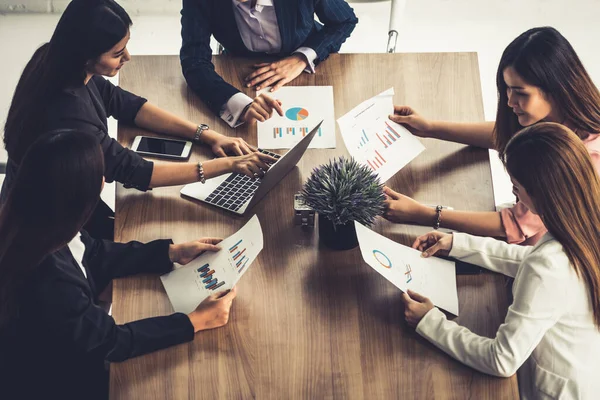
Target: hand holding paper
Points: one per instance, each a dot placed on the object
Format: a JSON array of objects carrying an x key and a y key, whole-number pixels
[
  {"x": 435, "y": 243},
  {"x": 407, "y": 270},
  {"x": 415, "y": 307},
  {"x": 213, "y": 272},
  {"x": 376, "y": 141},
  {"x": 183, "y": 253}
]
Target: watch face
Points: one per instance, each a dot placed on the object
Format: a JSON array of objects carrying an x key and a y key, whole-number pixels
[{"x": 299, "y": 204}]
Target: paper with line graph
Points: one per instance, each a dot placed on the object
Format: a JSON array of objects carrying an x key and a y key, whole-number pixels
[
  {"x": 405, "y": 268},
  {"x": 303, "y": 108},
  {"x": 375, "y": 141},
  {"x": 214, "y": 272}
]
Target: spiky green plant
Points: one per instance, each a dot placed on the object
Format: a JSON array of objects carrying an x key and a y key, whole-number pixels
[{"x": 344, "y": 191}]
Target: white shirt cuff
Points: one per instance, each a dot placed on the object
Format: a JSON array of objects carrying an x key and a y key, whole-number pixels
[
  {"x": 232, "y": 110},
  {"x": 311, "y": 56}
]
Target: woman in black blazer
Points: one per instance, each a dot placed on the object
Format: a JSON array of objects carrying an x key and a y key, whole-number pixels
[
  {"x": 54, "y": 338},
  {"x": 62, "y": 86}
]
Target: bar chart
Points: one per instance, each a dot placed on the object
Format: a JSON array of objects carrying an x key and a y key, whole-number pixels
[
  {"x": 374, "y": 140},
  {"x": 388, "y": 137},
  {"x": 408, "y": 273},
  {"x": 304, "y": 107},
  {"x": 280, "y": 132},
  {"x": 364, "y": 139},
  {"x": 238, "y": 257},
  {"x": 207, "y": 276}
]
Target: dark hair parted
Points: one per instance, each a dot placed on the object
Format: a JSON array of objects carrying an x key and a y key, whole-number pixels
[
  {"x": 86, "y": 30},
  {"x": 54, "y": 193},
  {"x": 545, "y": 59}
]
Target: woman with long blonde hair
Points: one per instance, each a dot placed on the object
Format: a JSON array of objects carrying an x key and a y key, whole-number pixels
[{"x": 552, "y": 329}]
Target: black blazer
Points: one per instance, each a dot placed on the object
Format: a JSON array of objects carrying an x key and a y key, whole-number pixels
[
  {"x": 57, "y": 346},
  {"x": 87, "y": 108},
  {"x": 202, "y": 18}
]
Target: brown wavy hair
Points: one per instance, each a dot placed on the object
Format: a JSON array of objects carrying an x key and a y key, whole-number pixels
[
  {"x": 548, "y": 160},
  {"x": 545, "y": 59}
]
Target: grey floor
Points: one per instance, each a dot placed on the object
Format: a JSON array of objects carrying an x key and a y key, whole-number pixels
[{"x": 483, "y": 26}]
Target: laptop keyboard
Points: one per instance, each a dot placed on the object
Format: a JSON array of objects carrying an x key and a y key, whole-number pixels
[{"x": 234, "y": 191}]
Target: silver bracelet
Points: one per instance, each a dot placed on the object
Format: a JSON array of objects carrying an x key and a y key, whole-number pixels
[
  {"x": 201, "y": 128},
  {"x": 201, "y": 177},
  {"x": 438, "y": 217}
]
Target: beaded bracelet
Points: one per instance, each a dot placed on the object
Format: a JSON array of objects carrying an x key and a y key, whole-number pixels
[{"x": 201, "y": 177}]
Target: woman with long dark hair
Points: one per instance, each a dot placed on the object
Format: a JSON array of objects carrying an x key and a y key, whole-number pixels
[
  {"x": 552, "y": 329},
  {"x": 540, "y": 78},
  {"x": 54, "y": 338},
  {"x": 62, "y": 86}
]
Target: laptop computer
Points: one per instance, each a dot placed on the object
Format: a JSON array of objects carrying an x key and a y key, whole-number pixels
[{"x": 238, "y": 193}]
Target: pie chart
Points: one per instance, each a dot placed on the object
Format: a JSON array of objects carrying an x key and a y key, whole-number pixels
[{"x": 296, "y": 113}]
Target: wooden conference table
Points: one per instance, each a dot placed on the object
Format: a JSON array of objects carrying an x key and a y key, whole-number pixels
[{"x": 309, "y": 322}]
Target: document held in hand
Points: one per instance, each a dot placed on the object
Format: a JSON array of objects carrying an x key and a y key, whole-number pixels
[
  {"x": 404, "y": 267},
  {"x": 374, "y": 140},
  {"x": 303, "y": 108},
  {"x": 213, "y": 272}
]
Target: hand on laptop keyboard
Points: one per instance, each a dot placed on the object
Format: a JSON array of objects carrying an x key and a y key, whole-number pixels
[
  {"x": 253, "y": 165},
  {"x": 274, "y": 155}
]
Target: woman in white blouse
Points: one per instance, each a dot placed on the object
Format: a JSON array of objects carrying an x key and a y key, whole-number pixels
[{"x": 552, "y": 329}]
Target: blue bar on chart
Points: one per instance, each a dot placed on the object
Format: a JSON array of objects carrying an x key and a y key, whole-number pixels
[
  {"x": 240, "y": 261},
  {"x": 364, "y": 139},
  {"x": 243, "y": 266},
  {"x": 391, "y": 131},
  {"x": 203, "y": 268},
  {"x": 235, "y": 246},
  {"x": 385, "y": 146},
  {"x": 206, "y": 275},
  {"x": 320, "y": 133}
]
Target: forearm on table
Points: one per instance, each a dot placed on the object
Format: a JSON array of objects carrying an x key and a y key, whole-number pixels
[
  {"x": 479, "y": 223},
  {"x": 158, "y": 120},
  {"x": 174, "y": 174},
  {"x": 478, "y": 134}
]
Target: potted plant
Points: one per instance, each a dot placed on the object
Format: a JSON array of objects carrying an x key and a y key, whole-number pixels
[{"x": 342, "y": 192}]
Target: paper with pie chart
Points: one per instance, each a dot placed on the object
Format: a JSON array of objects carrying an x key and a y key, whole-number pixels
[
  {"x": 404, "y": 267},
  {"x": 213, "y": 272},
  {"x": 375, "y": 141},
  {"x": 303, "y": 108}
]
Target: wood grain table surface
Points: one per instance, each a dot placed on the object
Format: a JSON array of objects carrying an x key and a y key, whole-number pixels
[{"x": 309, "y": 322}]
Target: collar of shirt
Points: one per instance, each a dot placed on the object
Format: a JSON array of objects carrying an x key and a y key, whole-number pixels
[{"x": 260, "y": 4}]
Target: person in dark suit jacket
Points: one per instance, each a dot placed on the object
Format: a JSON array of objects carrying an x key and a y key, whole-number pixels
[
  {"x": 54, "y": 337},
  {"x": 282, "y": 28},
  {"x": 63, "y": 86}
]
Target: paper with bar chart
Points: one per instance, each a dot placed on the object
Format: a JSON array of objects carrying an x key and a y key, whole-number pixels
[
  {"x": 406, "y": 269},
  {"x": 213, "y": 272},
  {"x": 303, "y": 108},
  {"x": 375, "y": 141}
]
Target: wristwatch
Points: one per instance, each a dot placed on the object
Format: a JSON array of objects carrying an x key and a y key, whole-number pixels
[{"x": 201, "y": 128}]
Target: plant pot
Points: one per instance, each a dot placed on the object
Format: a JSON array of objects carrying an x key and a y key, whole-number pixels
[{"x": 342, "y": 237}]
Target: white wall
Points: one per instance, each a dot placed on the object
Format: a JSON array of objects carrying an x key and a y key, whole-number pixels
[{"x": 133, "y": 7}]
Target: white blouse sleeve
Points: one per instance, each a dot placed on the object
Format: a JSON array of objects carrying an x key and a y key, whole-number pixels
[
  {"x": 540, "y": 298},
  {"x": 492, "y": 254}
]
